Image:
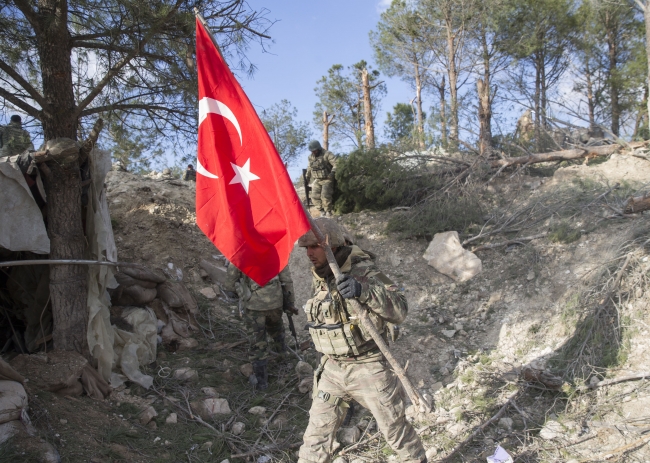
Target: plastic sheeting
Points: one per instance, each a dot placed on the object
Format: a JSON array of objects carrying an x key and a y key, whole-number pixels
[
  {"x": 21, "y": 222},
  {"x": 137, "y": 348},
  {"x": 101, "y": 241}
]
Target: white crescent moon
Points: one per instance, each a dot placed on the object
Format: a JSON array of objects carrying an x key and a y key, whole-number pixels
[{"x": 209, "y": 105}]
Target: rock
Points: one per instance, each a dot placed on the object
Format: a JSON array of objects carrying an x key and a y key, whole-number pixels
[
  {"x": 238, "y": 428},
  {"x": 225, "y": 461},
  {"x": 207, "y": 446},
  {"x": 172, "y": 418},
  {"x": 208, "y": 293},
  {"x": 506, "y": 424},
  {"x": 530, "y": 276},
  {"x": 456, "y": 429},
  {"x": 260, "y": 411},
  {"x": 62, "y": 421},
  {"x": 551, "y": 430},
  {"x": 217, "y": 272},
  {"x": 246, "y": 369},
  {"x": 304, "y": 370},
  {"x": 430, "y": 453},
  {"x": 448, "y": 333},
  {"x": 436, "y": 386},
  {"x": 349, "y": 435},
  {"x": 186, "y": 374},
  {"x": 264, "y": 459},
  {"x": 340, "y": 460},
  {"x": 444, "y": 371},
  {"x": 209, "y": 391},
  {"x": 188, "y": 344},
  {"x": 447, "y": 256},
  {"x": 280, "y": 422},
  {"x": 147, "y": 415},
  {"x": 208, "y": 408},
  {"x": 458, "y": 327}
]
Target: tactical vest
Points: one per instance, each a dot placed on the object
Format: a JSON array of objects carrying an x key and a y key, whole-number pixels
[
  {"x": 320, "y": 167},
  {"x": 332, "y": 329}
]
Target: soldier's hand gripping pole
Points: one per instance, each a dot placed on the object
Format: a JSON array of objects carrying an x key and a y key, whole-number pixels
[{"x": 365, "y": 320}]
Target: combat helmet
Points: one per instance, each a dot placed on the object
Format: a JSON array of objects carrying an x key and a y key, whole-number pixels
[
  {"x": 329, "y": 228},
  {"x": 314, "y": 145}
]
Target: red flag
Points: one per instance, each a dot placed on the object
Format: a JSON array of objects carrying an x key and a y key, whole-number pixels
[{"x": 245, "y": 201}]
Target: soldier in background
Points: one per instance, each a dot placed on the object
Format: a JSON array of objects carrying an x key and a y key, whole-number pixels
[
  {"x": 262, "y": 308},
  {"x": 190, "y": 174},
  {"x": 322, "y": 166},
  {"x": 14, "y": 139},
  {"x": 352, "y": 366}
]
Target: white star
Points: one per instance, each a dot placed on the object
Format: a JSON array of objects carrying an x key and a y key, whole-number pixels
[{"x": 243, "y": 174}]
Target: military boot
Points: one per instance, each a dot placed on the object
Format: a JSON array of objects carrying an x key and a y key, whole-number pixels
[{"x": 261, "y": 374}]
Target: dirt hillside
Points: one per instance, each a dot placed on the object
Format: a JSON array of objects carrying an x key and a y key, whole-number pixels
[{"x": 572, "y": 303}]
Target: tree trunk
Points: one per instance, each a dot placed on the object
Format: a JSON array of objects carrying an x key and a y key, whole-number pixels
[
  {"x": 537, "y": 98},
  {"x": 327, "y": 121},
  {"x": 68, "y": 283},
  {"x": 452, "y": 72},
  {"x": 646, "y": 15},
  {"x": 485, "y": 102},
  {"x": 591, "y": 104},
  {"x": 367, "y": 111},
  {"x": 443, "y": 113},
  {"x": 612, "y": 56},
  {"x": 565, "y": 155},
  {"x": 418, "y": 107}
]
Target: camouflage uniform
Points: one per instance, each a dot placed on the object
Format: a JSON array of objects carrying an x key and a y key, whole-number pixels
[
  {"x": 189, "y": 175},
  {"x": 352, "y": 366},
  {"x": 321, "y": 168},
  {"x": 262, "y": 307},
  {"x": 14, "y": 139}
]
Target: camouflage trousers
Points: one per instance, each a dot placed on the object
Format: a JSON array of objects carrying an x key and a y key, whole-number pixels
[
  {"x": 376, "y": 388},
  {"x": 261, "y": 325},
  {"x": 321, "y": 194}
]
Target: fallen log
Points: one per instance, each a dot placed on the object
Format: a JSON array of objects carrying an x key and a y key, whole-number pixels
[
  {"x": 637, "y": 204},
  {"x": 564, "y": 155}
]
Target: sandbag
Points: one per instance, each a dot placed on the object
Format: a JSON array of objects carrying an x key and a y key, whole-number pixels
[
  {"x": 8, "y": 373},
  {"x": 56, "y": 371},
  {"x": 13, "y": 399},
  {"x": 143, "y": 273},
  {"x": 126, "y": 280},
  {"x": 140, "y": 296},
  {"x": 177, "y": 296}
]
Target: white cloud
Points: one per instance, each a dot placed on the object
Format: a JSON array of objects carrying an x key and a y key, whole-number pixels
[{"x": 383, "y": 5}]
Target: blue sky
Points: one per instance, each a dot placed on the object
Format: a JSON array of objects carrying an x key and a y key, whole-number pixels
[{"x": 309, "y": 37}]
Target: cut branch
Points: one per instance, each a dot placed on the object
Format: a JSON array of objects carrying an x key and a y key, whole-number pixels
[
  {"x": 637, "y": 204},
  {"x": 90, "y": 142},
  {"x": 565, "y": 155}
]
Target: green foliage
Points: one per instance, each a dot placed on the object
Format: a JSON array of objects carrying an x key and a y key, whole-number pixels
[
  {"x": 340, "y": 93},
  {"x": 289, "y": 135},
  {"x": 400, "y": 124},
  {"x": 562, "y": 232},
  {"x": 374, "y": 179}
]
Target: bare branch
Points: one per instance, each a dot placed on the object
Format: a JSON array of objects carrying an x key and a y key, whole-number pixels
[
  {"x": 29, "y": 109},
  {"x": 122, "y": 107},
  {"x": 11, "y": 72}
]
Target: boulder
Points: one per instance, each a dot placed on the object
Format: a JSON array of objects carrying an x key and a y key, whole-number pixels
[
  {"x": 447, "y": 256},
  {"x": 208, "y": 293}
]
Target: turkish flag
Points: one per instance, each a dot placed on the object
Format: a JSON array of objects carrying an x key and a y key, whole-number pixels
[{"x": 245, "y": 201}]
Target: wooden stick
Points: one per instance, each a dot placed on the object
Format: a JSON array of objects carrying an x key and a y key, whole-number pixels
[
  {"x": 360, "y": 443},
  {"x": 480, "y": 429},
  {"x": 621, "y": 379},
  {"x": 364, "y": 318}
]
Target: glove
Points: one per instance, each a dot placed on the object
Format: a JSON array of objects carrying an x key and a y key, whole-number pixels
[{"x": 348, "y": 287}]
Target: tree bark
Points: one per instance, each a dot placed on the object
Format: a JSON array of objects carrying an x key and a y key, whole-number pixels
[
  {"x": 591, "y": 104},
  {"x": 646, "y": 16},
  {"x": 68, "y": 283},
  {"x": 418, "y": 107},
  {"x": 443, "y": 113},
  {"x": 637, "y": 204},
  {"x": 565, "y": 155},
  {"x": 452, "y": 72},
  {"x": 327, "y": 121},
  {"x": 612, "y": 56},
  {"x": 367, "y": 111},
  {"x": 485, "y": 101}
]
